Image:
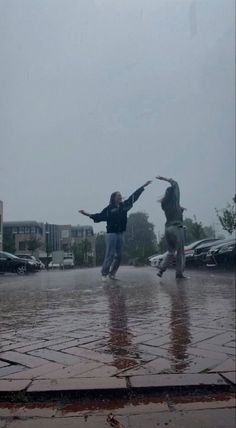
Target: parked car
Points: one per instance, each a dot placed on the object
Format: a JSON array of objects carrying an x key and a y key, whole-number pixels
[
  {"x": 155, "y": 261},
  {"x": 200, "y": 252},
  {"x": 68, "y": 261},
  {"x": 222, "y": 254},
  {"x": 30, "y": 258},
  {"x": 188, "y": 251},
  {"x": 42, "y": 265},
  {"x": 11, "y": 263},
  {"x": 52, "y": 265}
]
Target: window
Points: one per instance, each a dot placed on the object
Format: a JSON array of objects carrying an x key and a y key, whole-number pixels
[
  {"x": 22, "y": 245},
  {"x": 21, "y": 229},
  {"x": 27, "y": 229},
  {"x": 32, "y": 230}
]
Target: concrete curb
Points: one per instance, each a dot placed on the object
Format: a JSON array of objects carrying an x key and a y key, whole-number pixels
[{"x": 26, "y": 390}]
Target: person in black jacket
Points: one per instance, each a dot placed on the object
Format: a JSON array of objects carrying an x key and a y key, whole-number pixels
[{"x": 115, "y": 214}]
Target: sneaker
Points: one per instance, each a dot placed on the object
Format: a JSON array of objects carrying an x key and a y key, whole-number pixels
[
  {"x": 104, "y": 278},
  {"x": 160, "y": 273},
  {"x": 113, "y": 277},
  {"x": 181, "y": 276}
]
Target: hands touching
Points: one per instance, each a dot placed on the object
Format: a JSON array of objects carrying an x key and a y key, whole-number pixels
[{"x": 147, "y": 183}]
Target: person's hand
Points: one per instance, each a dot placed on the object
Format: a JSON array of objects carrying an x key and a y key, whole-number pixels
[
  {"x": 82, "y": 212},
  {"x": 159, "y": 177},
  {"x": 147, "y": 183}
]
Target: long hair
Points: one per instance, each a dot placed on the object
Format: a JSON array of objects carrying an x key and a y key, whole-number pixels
[
  {"x": 169, "y": 200},
  {"x": 112, "y": 198}
]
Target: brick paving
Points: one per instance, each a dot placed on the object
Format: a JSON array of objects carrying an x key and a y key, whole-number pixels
[{"x": 67, "y": 330}]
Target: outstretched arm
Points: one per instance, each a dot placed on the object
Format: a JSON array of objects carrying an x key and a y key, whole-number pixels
[
  {"x": 134, "y": 197},
  {"x": 84, "y": 213},
  {"x": 102, "y": 216}
]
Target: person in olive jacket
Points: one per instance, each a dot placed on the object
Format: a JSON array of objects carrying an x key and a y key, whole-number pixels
[{"x": 115, "y": 215}]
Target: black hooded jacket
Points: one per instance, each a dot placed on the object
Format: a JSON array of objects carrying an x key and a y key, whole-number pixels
[{"x": 116, "y": 217}]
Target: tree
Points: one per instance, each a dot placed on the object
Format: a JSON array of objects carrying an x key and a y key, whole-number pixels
[
  {"x": 81, "y": 251},
  {"x": 100, "y": 248},
  {"x": 34, "y": 243},
  {"x": 140, "y": 239},
  {"x": 194, "y": 230},
  {"x": 9, "y": 244},
  {"x": 227, "y": 217},
  {"x": 162, "y": 244}
]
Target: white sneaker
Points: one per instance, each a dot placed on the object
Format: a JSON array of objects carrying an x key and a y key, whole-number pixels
[
  {"x": 104, "y": 278},
  {"x": 113, "y": 277}
]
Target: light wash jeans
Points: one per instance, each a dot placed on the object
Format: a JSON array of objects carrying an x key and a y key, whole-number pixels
[
  {"x": 112, "y": 259},
  {"x": 175, "y": 243}
]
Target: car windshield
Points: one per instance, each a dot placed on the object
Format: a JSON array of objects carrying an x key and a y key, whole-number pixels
[
  {"x": 209, "y": 243},
  {"x": 224, "y": 243},
  {"x": 11, "y": 256},
  {"x": 197, "y": 243}
]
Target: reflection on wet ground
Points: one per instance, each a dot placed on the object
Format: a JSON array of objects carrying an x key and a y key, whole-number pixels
[{"x": 139, "y": 324}]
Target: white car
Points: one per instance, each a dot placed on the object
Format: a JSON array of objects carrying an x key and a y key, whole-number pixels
[
  {"x": 156, "y": 260},
  {"x": 68, "y": 262},
  {"x": 52, "y": 265}
]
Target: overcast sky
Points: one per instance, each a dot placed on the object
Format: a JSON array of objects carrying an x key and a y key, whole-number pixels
[{"x": 101, "y": 95}]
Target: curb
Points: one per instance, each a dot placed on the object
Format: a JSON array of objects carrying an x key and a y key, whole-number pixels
[{"x": 28, "y": 391}]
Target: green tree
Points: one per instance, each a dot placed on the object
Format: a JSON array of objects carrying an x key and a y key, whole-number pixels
[
  {"x": 227, "y": 217},
  {"x": 81, "y": 252},
  {"x": 209, "y": 231},
  {"x": 9, "y": 244},
  {"x": 100, "y": 248},
  {"x": 195, "y": 231},
  {"x": 140, "y": 239},
  {"x": 162, "y": 245}
]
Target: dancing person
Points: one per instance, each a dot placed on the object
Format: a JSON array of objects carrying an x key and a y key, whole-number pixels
[
  {"x": 174, "y": 231},
  {"x": 115, "y": 214}
]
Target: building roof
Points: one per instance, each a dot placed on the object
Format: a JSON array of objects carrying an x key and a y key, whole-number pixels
[{"x": 22, "y": 223}]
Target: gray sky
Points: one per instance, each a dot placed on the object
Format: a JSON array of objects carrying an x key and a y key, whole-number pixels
[{"x": 101, "y": 95}]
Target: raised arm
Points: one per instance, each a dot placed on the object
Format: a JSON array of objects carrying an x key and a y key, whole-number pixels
[
  {"x": 173, "y": 183},
  {"x": 128, "y": 203}
]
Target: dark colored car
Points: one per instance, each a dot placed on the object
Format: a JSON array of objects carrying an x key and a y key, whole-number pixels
[
  {"x": 33, "y": 259},
  {"x": 222, "y": 254},
  {"x": 200, "y": 252},
  {"x": 189, "y": 250},
  {"x": 11, "y": 263}
]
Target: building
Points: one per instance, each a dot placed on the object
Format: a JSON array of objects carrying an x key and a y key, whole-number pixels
[
  {"x": 1, "y": 225},
  {"x": 52, "y": 237},
  {"x": 85, "y": 234},
  {"x": 32, "y": 237},
  {"x": 24, "y": 236}
]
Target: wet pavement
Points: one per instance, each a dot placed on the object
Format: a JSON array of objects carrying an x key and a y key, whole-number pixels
[
  {"x": 170, "y": 410},
  {"x": 67, "y": 330}
]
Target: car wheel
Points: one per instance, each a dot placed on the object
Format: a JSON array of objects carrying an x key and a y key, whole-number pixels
[{"x": 21, "y": 270}]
